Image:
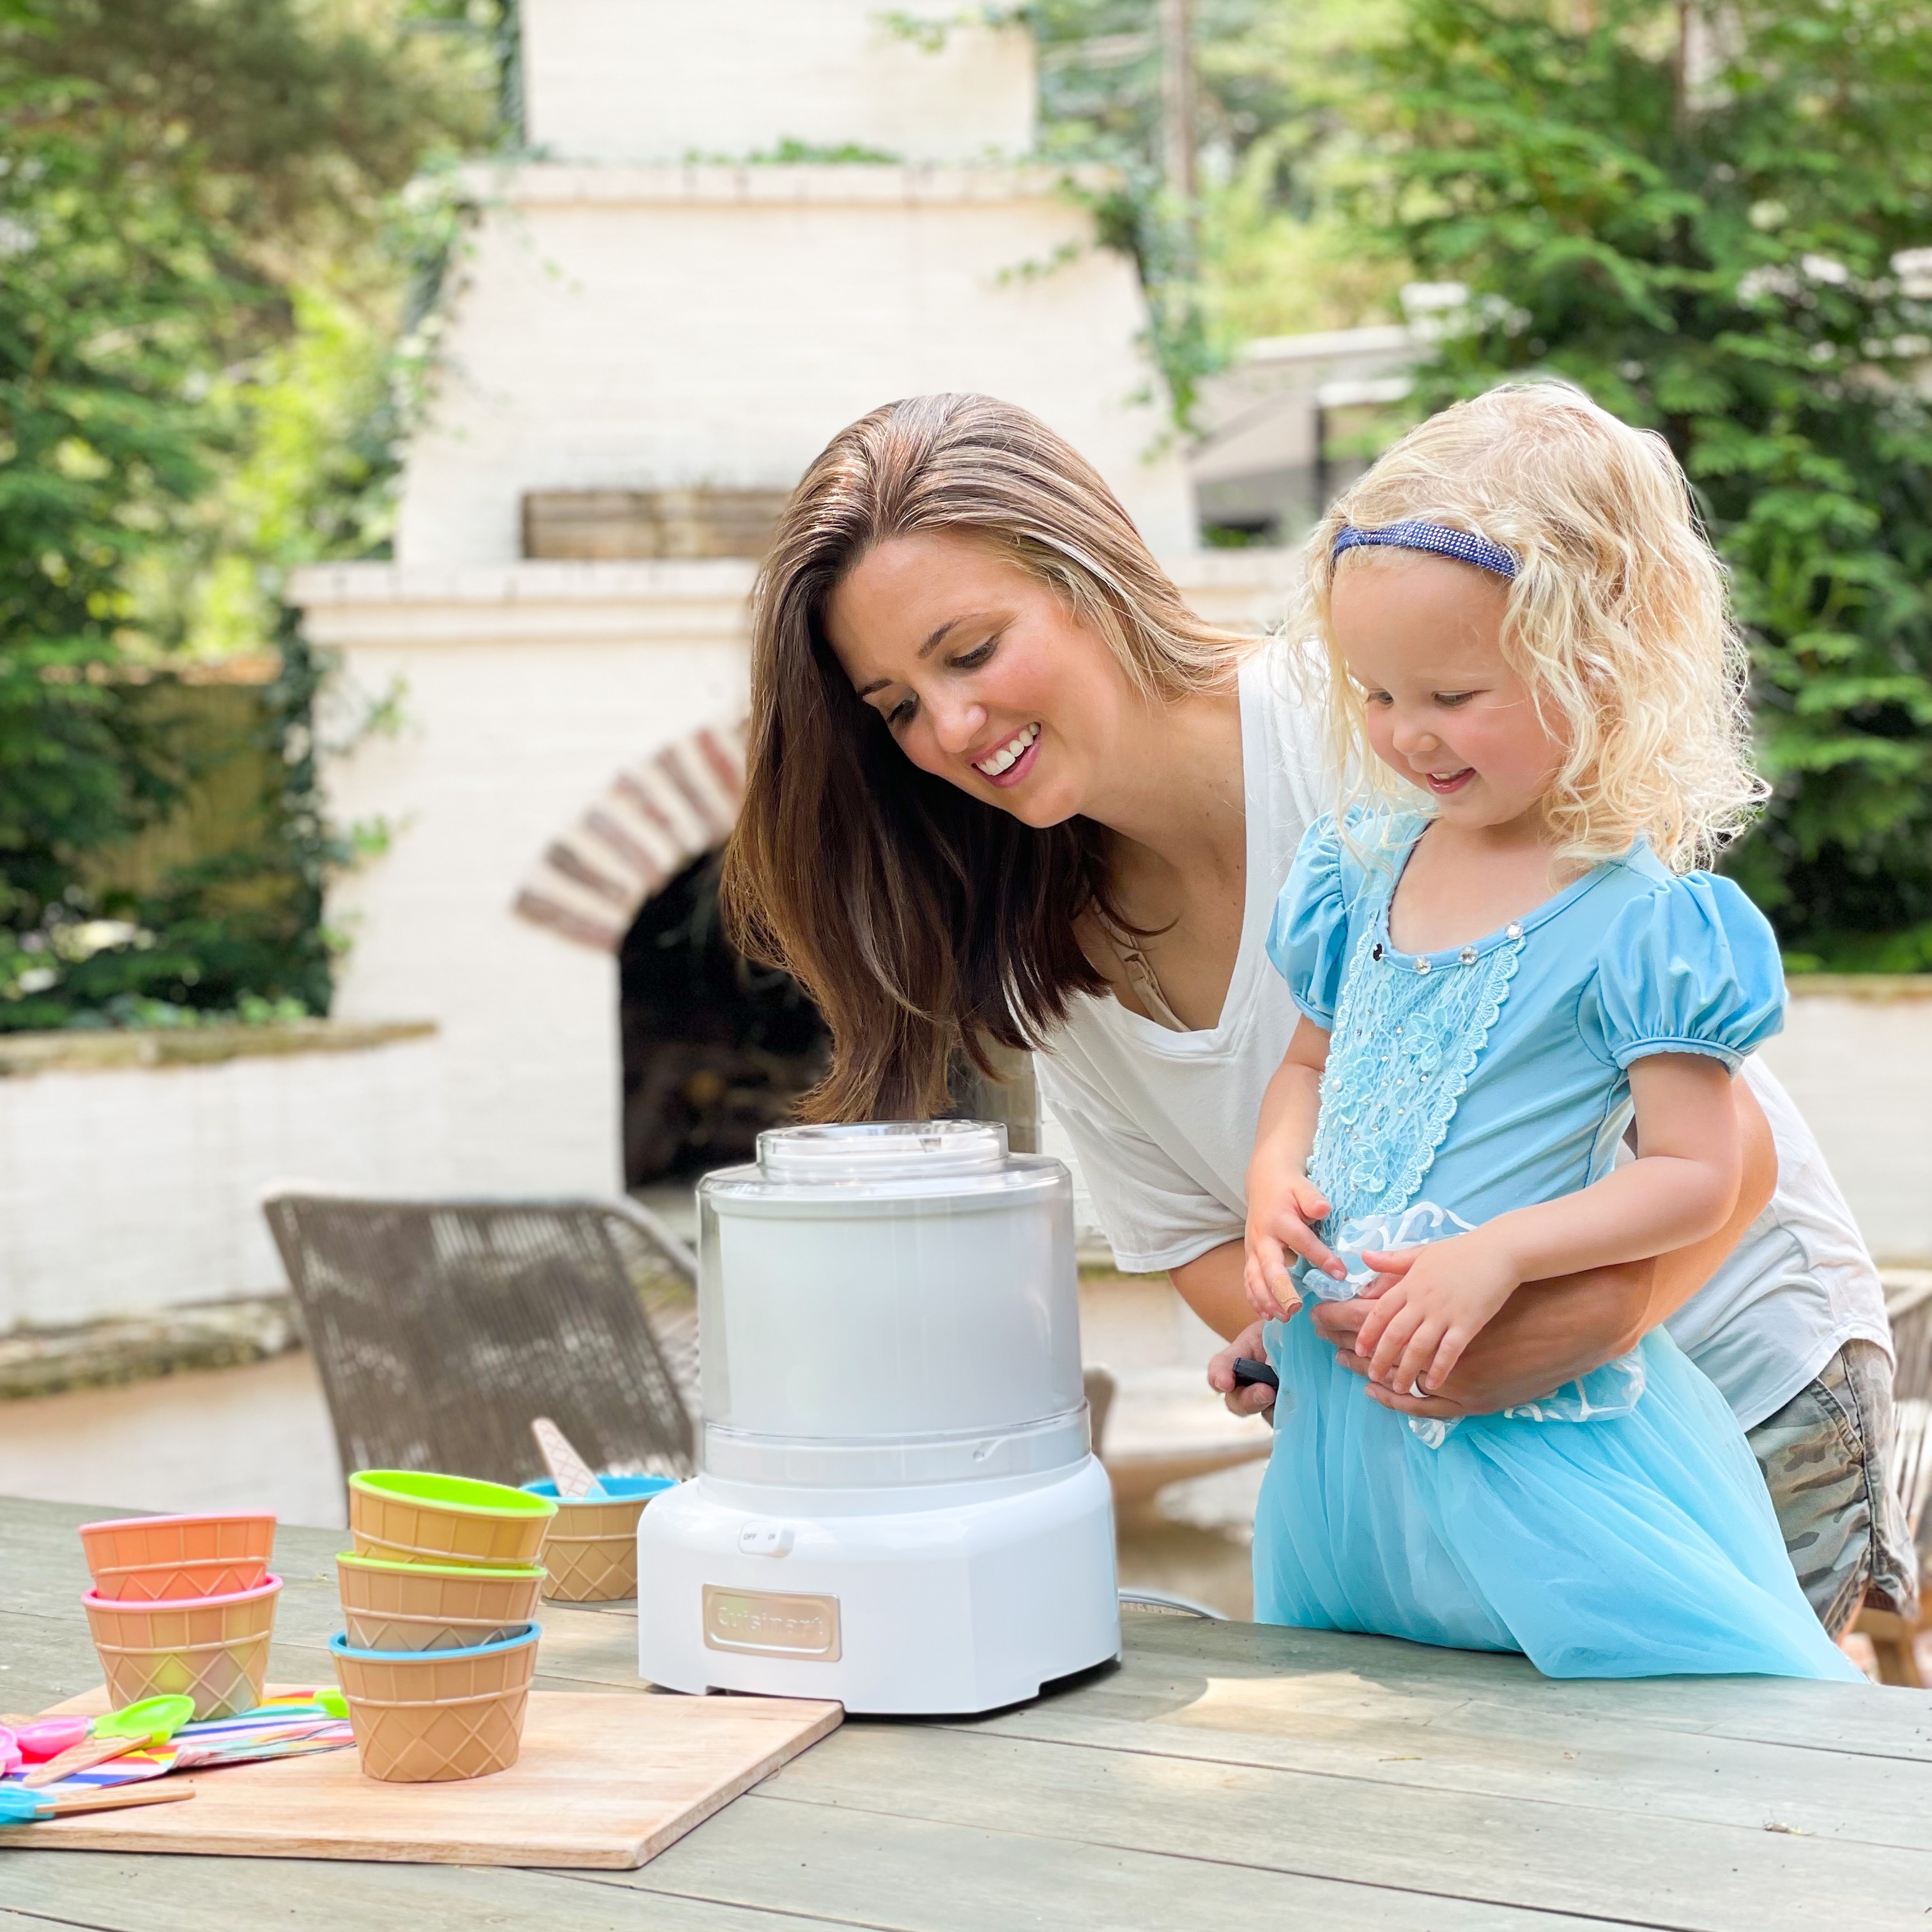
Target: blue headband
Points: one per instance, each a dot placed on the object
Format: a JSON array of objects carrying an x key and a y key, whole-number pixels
[{"x": 1443, "y": 541}]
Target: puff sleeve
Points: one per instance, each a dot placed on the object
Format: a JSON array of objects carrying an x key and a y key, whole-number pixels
[
  {"x": 1308, "y": 939},
  {"x": 1693, "y": 967}
]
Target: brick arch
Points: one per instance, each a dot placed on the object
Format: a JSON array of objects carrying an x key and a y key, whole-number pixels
[{"x": 647, "y": 825}]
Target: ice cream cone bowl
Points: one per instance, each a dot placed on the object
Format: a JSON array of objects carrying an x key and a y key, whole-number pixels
[
  {"x": 213, "y": 1649},
  {"x": 590, "y": 1549},
  {"x": 411, "y": 1517},
  {"x": 390, "y": 1605},
  {"x": 164, "y": 1558},
  {"x": 433, "y": 1717}
]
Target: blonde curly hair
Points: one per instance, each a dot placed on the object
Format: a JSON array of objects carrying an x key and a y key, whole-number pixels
[{"x": 1618, "y": 619}]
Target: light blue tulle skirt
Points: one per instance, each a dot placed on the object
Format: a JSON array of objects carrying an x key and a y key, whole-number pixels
[{"x": 1637, "y": 1545}]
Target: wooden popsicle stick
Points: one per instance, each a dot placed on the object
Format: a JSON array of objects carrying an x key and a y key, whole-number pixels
[
  {"x": 120, "y": 1797},
  {"x": 81, "y": 1757}
]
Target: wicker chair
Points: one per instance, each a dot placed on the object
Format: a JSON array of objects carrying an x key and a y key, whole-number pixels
[
  {"x": 1910, "y": 1312},
  {"x": 440, "y": 1328}
]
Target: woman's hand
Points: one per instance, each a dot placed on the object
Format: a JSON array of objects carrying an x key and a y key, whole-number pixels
[
  {"x": 1244, "y": 1398},
  {"x": 1441, "y": 1299},
  {"x": 1284, "y": 1206}
]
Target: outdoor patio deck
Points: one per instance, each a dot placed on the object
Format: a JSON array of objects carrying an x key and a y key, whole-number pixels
[{"x": 1226, "y": 1775}]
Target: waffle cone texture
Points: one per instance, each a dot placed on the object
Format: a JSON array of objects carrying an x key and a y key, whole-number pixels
[
  {"x": 166, "y": 1558},
  {"x": 413, "y": 1519},
  {"x": 215, "y": 1650},
  {"x": 591, "y": 1550},
  {"x": 437, "y": 1716},
  {"x": 424, "y": 1607}
]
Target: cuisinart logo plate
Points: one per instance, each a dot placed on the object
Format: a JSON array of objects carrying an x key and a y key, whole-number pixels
[{"x": 768, "y": 1624}]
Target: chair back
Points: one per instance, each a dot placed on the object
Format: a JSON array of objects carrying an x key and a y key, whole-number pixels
[
  {"x": 441, "y": 1328},
  {"x": 1910, "y": 1313}
]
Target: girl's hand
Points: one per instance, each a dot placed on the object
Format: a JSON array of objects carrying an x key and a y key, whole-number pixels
[
  {"x": 1283, "y": 1208},
  {"x": 1445, "y": 1295}
]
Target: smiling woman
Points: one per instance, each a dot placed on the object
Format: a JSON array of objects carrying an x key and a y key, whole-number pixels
[{"x": 972, "y": 687}]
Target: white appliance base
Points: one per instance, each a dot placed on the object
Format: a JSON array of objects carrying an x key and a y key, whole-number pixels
[{"x": 969, "y": 1603}]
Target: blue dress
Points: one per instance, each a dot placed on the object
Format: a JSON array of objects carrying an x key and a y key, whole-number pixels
[{"x": 1620, "y": 1528}]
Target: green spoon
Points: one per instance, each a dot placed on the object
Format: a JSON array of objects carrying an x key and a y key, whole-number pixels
[{"x": 152, "y": 1721}]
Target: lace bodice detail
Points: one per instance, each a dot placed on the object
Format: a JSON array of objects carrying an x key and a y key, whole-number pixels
[{"x": 1407, "y": 1036}]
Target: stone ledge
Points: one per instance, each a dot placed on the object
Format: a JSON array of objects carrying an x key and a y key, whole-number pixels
[
  {"x": 1876, "y": 986},
  {"x": 79, "y": 1051},
  {"x": 134, "y": 1348},
  {"x": 782, "y": 183}
]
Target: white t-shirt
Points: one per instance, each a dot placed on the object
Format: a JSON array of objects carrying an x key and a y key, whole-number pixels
[{"x": 1162, "y": 1123}]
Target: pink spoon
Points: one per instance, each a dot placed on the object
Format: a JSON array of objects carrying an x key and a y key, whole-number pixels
[{"x": 49, "y": 1737}]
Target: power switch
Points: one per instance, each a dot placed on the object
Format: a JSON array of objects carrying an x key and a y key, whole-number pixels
[{"x": 765, "y": 1539}]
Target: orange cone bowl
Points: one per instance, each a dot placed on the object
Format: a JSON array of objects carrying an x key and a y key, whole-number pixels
[
  {"x": 213, "y": 1649},
  {"x": 433, "y": 1716},
  {"x": 167, "y": 1558},
  {"x": 388, "y": 1606},
  {"x": 411, "y": 1517},
  {"x": 590, "y": 1549}
]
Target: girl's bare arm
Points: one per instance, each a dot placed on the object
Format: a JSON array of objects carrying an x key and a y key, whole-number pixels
[
  {"x": 1680, "y": 1190},
  {"x": 1283, "y": 1204}
]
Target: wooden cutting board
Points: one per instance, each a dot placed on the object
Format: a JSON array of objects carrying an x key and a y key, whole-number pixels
[{"x": 605, "y": 1780}]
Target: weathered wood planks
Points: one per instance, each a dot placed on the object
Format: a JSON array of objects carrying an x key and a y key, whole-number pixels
[{"x": 1224, "y": 1773}]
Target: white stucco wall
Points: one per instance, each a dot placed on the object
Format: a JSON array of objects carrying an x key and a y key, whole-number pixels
[
  {"x": 128, "y": 1189},
  {"x": 652, "y": 328},
  {"x": 1856, "y": 1055},
  {"x": 522, "y": 692},
  {"x": 627, "y": 80}
]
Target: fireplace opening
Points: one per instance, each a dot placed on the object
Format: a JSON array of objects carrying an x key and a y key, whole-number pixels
[{"x": 715, "y": 1048}]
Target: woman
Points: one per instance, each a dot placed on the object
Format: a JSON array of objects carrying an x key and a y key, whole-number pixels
[{"x": 1005, "y": 788}]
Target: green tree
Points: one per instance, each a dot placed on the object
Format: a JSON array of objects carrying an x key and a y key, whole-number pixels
[
  {"x": 173, "y": 177},
  {"x": 1257, "y": 247},
  {"x": 1718, "y": 224}
]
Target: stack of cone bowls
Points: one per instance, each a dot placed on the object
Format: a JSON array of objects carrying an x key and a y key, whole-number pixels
[
  {"x": 183, "y": 1606},
  {"x": 439, "y": 1648},
  {"x": 590, "y": 1549}
]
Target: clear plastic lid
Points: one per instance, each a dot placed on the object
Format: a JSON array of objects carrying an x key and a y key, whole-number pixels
[{"x": 882, "y": 1151}]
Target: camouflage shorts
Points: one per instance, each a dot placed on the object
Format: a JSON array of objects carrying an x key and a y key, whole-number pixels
[{"x": 1825, "y": 1456}]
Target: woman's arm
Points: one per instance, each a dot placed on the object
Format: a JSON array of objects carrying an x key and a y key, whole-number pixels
[
  {"x": 1549, "y": 1333},
  {"x": 1211, "y": 1285},
  {"x": 1552, "y": 1332},
  {"x": 1680, "y": 1190}
]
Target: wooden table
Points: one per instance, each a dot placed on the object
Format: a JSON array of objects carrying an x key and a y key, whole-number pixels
[{"x": 1226, "y": 1776}]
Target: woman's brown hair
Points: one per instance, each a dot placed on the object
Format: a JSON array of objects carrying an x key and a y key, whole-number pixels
[{"x": 924, "y": 923}]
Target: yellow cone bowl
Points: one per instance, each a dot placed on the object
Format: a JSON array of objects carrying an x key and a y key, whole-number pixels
[
  {"x": 591, "y": 1547},
  {"x": 221, "y": 1678},
  {"x": 414, "y": 1518},
  {"x": 388, "y": 1606},
  {"x": 437, "y": 1716},
  {"x": 215, "y": 1649},
  {"x": 591, "y": 1552}
]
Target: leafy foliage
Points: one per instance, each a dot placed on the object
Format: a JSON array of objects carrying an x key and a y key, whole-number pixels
[
  {"x": 186, "y": 187},
  {"x": 1262, "y": 248},
  {"x": 1719, "y": 227}
]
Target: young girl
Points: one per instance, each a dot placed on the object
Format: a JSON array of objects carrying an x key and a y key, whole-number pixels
[{"x": 1498, "y": 954}]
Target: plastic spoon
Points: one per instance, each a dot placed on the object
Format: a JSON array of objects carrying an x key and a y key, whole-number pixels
[
  {"x": 575, "y": 1480},
  {"x": 19, "y": 1806},
  {"x": 47, "y": 1737},
  {"x": 152, "y": 1721}
]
